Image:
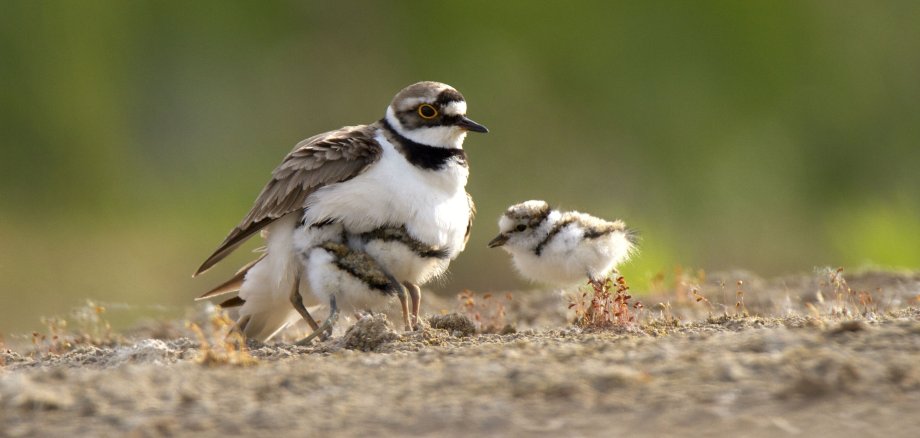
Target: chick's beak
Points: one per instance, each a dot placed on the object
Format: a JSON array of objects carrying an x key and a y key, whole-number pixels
[
  {"x": 499, "y": 240},
  {"x": 468, "y": 124}
]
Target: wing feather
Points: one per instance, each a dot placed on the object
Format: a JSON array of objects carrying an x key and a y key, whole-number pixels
[
  {"x": 233, "y": 284},
  {"x": 320, "y": 160}
]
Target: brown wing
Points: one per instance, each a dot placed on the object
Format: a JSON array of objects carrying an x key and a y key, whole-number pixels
[
  {"x": 323, "y": 159},
  {"x": 469, "y": 223}
]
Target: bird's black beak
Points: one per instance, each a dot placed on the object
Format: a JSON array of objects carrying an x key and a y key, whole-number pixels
[
  {"x": 468, "y": 124},
  {"x": 499, "y": 240}
]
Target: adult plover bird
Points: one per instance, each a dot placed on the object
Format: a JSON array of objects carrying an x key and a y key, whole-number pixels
[
  {"x": 562, "y": 248},
  {"x": 406, "y": 170}
]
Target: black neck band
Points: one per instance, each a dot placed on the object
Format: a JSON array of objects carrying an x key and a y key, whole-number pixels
[{"x": 422, "y": 155}]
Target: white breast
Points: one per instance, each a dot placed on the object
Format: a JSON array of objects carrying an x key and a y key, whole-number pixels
[{"x": 431, "y": 204}]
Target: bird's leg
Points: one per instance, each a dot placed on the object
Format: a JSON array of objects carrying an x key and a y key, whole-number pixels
[
  {"x": 240, "y": 326},
  {"x": 416, "y": 294},
  {"x": 322, "y": 330},
  {"x": 333, "y": 317},
  {"x": 297, "y": 301},
  {"x": 405, "y": 307}
]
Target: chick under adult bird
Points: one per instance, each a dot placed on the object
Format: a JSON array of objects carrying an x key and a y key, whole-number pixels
[
  {"x": 339, "y": 273},
  {"x": 347, "y": 270},
  {"x": 562, "y": 248},
  {"x": 407, "y": 170}
]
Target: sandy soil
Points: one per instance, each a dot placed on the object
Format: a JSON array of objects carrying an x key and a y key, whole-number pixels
[{"x": 813, "y": 357}]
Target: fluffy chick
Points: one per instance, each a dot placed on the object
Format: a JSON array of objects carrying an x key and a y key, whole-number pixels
[{"x": 562, "y": 248}]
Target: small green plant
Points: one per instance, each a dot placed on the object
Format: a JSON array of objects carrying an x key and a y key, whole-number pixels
[
  {"x": 665, "y": 314},
  {"x": 847, "y": 302},
  {"x": 220, "y": 342},
  {"x": 698, "y": 297},
  {"x": 90, "y": 328},
  {"x": 606, "y": 305},
  {"x": 55, "y": 340},
  {"x": 486, "y": 312},
  {"x": 740, "y": 308}
]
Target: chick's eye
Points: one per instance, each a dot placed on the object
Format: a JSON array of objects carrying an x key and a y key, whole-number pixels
[
  {"x": 520, "y": 227},
  {"x": 427, "y": 111}
]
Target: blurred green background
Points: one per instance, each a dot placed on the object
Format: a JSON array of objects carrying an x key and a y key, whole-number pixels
[{"x": 767, "y": 135}]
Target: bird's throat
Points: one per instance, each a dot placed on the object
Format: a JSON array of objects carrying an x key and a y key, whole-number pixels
[{"x": 422, "y": 155}]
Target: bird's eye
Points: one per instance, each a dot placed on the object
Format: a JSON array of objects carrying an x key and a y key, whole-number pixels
[
  {"x": 520, "y": 228},
  {"x": 427, "y": 111}
]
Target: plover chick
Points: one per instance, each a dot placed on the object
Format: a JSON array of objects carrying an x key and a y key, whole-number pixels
[
  {"x": 406, "y": 258},
  {"x": 350, "y": 279},
  {"x": 356, "y": 271},
  {"x": 408, "y": 168},
  {"x": 562, "y": 248}
]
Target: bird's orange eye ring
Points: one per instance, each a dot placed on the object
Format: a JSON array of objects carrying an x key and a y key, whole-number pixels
[{"x": 427, "y": 111}]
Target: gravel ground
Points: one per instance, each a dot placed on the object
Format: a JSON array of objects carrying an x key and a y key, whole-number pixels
[{"x": 803, "y": 361}]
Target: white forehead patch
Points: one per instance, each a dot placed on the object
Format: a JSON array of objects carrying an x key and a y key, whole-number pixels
[
  {"x": 504, "y": 224},
  {"x": 455, "y": 108}
]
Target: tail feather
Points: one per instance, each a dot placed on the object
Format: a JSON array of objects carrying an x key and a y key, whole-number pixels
[
  {"x": 266, "y": 287},
  {"x": 263, "y": 326},
  {"x": 233, "y": 284},
  {"x": 232, "y": 302}
]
